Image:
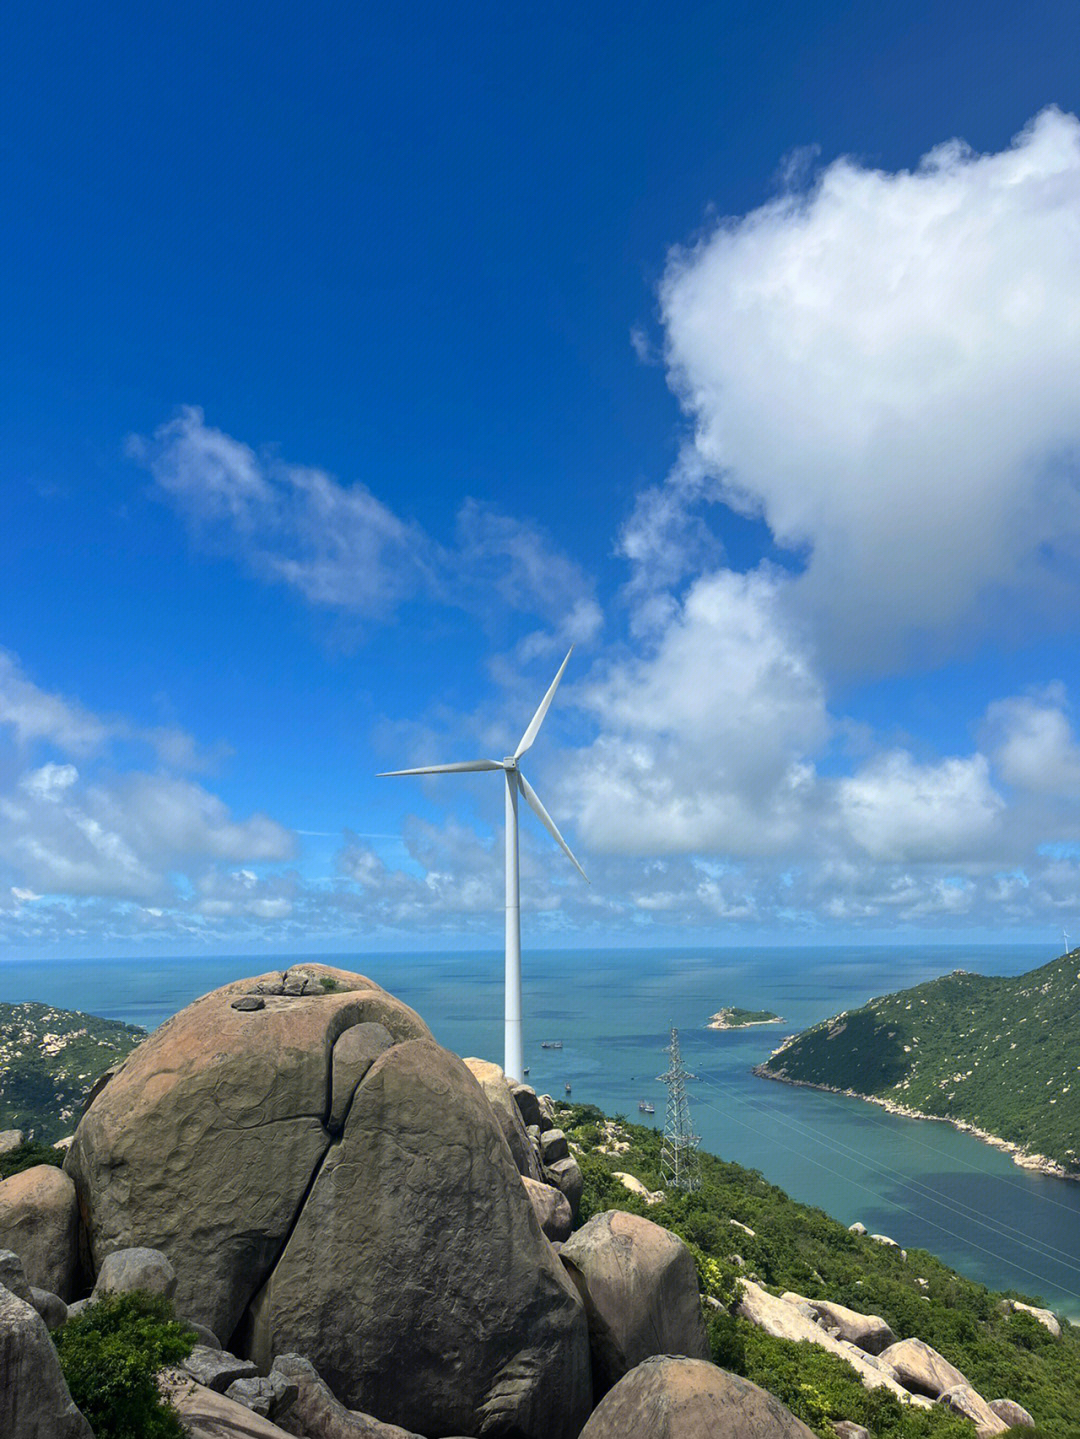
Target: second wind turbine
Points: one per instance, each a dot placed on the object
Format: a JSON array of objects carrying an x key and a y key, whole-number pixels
[{"x": 515, "y": 782}]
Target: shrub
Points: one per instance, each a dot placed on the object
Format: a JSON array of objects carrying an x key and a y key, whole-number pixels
[
  {"x": 26, "y": 1156},
  {"x": 111, "y": 1354}
]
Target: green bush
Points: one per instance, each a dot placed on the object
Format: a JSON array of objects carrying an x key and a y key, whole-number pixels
[
  {"x": 111, "y": 1354},
  {"x": 26, "y": 1156}
]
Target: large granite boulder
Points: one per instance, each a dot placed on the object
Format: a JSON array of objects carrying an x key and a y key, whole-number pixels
[
  {"x": 970, "y": 1404},
  {"x": 639, "y": 1284},
  {"x": 1014, "y": 1414},
  {"x": 868, "y": 1331},
  {"x": 496, "y": 1086},
  {"x": 206, "y": 1141},
  {"x": 316, "y": 1414},
  {"x": 675, "y": 1398},
  {"x": 206, "y": 1414},
  {"x": 126, "y": 1270},
  {"x": 551, "y": 1208},
  {"x": 39, "y": 1220},
  {"x": 920, "y": 1368},
  {"x": 417, "y": 1253},
  {"x": 35, "y": 1403}
]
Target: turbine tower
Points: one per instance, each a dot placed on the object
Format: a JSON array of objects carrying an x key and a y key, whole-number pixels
[{"x": 515, "y": 783}]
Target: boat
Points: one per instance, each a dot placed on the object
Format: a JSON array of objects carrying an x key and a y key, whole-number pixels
[
  {"x": 525, "y": 1070},
  {"x": 551, "y": 1044},
  {"x": 568, "y": 1089},
  {"x": 644, "y": 1107}
]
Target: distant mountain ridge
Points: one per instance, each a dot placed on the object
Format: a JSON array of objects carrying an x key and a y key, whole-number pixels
[
  {"x": 998, "y": 1055},
  {"x": 50, "y": 1059}
]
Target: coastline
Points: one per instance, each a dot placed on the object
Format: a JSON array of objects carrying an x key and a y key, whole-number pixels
[
  {"x": 716, "y": 1022},
  {"x": 1022, "y": 1158}
]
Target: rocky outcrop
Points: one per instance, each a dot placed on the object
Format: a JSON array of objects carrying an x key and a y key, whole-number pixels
[
  {"x": 34, "y": 1400},
  {"x": 39, "y": 1221},
  {"x": 216, "y": 1369},
  {"x": 13, "y": 1276},
  {"x": 208, "y": 1415},
  {"x": 316, "y": 1414},
  {"x": 963, "y": 1400},
  {"x": 1043, "y": 1316},
  {"x": 675, "y": 1398},
  {"x": 551, "y": 1208},
  {"x": 788, "y": 1321},
  {"x": 640, "y": 1288},
  {"x": 868, "y": 1331},
  {"x": 634, "y": 1185},
  {"x": 206, "y": 1141},
  {"x": 50, "y": 1306},
  {"x": 11, "y": 1139},
  {"x": 126, "y": 1270},
  {"x": 919, "y": 1368},
  {"x": 500, "y": 1095},
  {"x": 417, "y": 1252},
  {"x": 1012, "y": 1413}
]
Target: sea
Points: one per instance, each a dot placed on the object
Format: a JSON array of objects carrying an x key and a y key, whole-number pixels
[{"x": 924, "y": 1183}]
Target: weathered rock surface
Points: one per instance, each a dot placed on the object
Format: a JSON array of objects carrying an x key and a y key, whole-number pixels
[
  {"x": 528, "y": 1103},
  {"x": 216, "y": 1369},
  {"x": 553, "y": 1146},
  {"x": 204, "y": 1144},
  {"x": 500, "y": 1095},
  {"x": 551, "y": 1208},
  {"x": 13, "y": 1276},
  {"x": 964, "y": 1400},
  {"x": 50, "y": 1306},
  {"x": 208, "y": 1415},
  {"x": 34, "y": 1400},
  {"x": 787, "y": 1321},
  {"x": 566, "y": 1176},
  {"x": 635, "y": 1186},
  {"x": 126, "y": 1270},
  {"x": 918, "y": 1367},
  {"x": 639, "y": 1284},
  {"x": 418, "y": 1253},
  {"x": 868, "y": 1331},
  {"x": 354, "y": 1054},
  {"x": 1012, "y": 1413},
  {"x": 267, "y": 1397},
  {"x": 39, "y": 1220},
  {"x": 10, "y": 1139},
  {"x": 848, "y": 1429},
  {"x": 1044, "y": 1316},
  {"x": 675, "y": 1398},
  {"x": 316, "y": 1414}
]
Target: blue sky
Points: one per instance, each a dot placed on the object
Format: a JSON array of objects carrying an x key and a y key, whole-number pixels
[{"x": 356, "y": 364}]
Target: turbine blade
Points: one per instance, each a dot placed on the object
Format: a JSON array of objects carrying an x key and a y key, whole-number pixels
[
  {"x": 545, "y": 819},
  {"x": 462, "y": 767},
  {"x": 538, "y": 718}
]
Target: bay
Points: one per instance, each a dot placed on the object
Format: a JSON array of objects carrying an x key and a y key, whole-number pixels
[{"x": 923, "y": 1183}]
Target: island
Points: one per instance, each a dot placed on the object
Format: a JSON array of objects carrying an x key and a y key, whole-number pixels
[
  {"x": 734, "y": 1018},
  {"x": 998, "y": 1056}
]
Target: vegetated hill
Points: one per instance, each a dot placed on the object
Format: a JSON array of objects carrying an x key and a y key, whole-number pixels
[
  {"x": 1001, "y": 1054},
  {"x": 732, "y": 1017},
  {"x": 50, "y": 1060},
  {"x": 795, "y": 1247}
]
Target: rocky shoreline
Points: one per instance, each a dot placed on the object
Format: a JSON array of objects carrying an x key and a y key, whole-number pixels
[
  {"x": 1040, "y": 1163},
  {"x": 720, "y": 1020}
]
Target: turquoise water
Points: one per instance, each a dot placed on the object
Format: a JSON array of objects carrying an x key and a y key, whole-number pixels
[{"x": 924, "y": 1183}]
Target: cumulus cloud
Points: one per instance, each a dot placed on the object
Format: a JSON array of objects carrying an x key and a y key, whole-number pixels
[
  {"x": 34, "y": 714},
  {"x": 883, "y": 367},
  {"x": 1033, "y": 745},
  {"x": 898, "y": 810}
]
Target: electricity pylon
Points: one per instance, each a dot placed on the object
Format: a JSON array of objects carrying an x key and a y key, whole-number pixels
[{"x": 678, "y": 1153}]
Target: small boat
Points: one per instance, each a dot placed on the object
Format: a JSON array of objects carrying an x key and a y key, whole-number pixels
[
  {"x": 525, "y": 1070},
  {"x": 551, "y": 1044},
  {"x": 568, "y": 1089},
  {"x": 644, "y": 1107}
]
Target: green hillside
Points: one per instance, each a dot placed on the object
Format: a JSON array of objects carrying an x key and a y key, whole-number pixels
[
  {"x": 1002, "y": 1054},
  {"x": 739, "y": 1225},
  {"x": 50, "y": 1059}
]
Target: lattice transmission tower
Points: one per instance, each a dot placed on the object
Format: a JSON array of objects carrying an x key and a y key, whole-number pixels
[{"x": 678, "y": 1153}]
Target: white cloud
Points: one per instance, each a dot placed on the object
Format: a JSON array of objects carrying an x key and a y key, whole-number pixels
[
  {"x": 36, "y": 715},
  {"x": 884, "y": 368},
  {"x": 900, "y": 811},
  {"x": 1033, "y": 745},
  {"x": 50, "y": 781}
]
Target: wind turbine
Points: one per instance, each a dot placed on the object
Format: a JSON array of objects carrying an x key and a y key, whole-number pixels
[{"x": 515, "y": 782}]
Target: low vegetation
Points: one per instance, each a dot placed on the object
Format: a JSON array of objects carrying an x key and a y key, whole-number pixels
[
  {"x": 735, "y": 1018},
  {"x": 798, "y": 1248},
  {"x": 111, "y": 1355},
  {"x": 1002, "y": 1054},
  {"x": 27, "y": 1156},
  {"x": 50, "y": 1059}
]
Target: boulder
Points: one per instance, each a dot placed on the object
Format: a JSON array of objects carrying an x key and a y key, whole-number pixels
[
  {"x": 963, "y": 1400},
  {"x": 269, "y": 1397},
  {"x": 528, "y": 1106},
  {"x": 553, "y": 1146},
  {"x": 13, "y": 1276},
  {"x": 354, "y": 1054},
  {"x": 50, "y": 1306},
  {"x": 216, "y": 1369},
  {"x": 203, "y": 1335},
  {"x": 500, "y": 1096},
  {"x": 889, "y": 1244},
  {"x": 848, "y": 1429},
  {"x": 206, "y": 1414},
  {"x": 126, "y": 1270},
  {"x": 206, "y": 1141},
  {"x": 551, "y": 1208},
  {"x": 674, "y": 1398},
  {"x": 858, "y": 1228},
  {"x": 639, "y": 1284},
  {"x": 316, "y": 1414},
  {"x": 635, "y": 1186},
  {"x": 868, "y": 1331},
  {"x": 418, "y": 1252},
  {"x": 787, "y": 1321},
  {"x": 35, "y": 1402},
  {"x": 1012, "y": 1413},
  {"x": 39, "y": 1220},
  {"x": 1044, "y": 1316},
  {"x": 11, "y": 1139},
  {"x": 566, "y": 1176},
  {"x": 919, "y": 1368}
]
